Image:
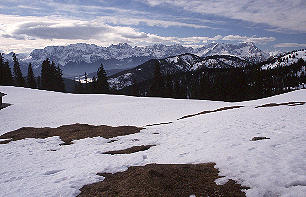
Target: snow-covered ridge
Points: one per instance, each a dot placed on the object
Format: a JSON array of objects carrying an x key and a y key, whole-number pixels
[{"x": 286, "y": 59}]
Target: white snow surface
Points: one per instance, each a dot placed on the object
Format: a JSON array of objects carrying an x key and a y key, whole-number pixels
[{"x": 272, "y": 167}]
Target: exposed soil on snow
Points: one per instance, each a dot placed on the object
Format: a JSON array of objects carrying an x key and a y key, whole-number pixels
[
  {"x": 279, "y": 104},
  {"x": 133, "y": 149},
  {"x": 163, "y": 123},
  {"x": 259, "y": 138},
  {"x": 111, "y": 141},
  {"x": 164, "y": 180},
  {"x": 4, "y": 105},
  {"x": 206, "y": 112},
  {"x": 68, "y": 133}
]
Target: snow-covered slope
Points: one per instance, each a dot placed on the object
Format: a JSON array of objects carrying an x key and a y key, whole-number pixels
[
  {"x": 286, "y": 59},
  {"x": 271, "y": 167},
  {"x": 180, "y": 63}
]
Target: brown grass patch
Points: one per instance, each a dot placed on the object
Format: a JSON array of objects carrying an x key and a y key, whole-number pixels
[
  {"x": 279, "y": 104},
  {"x": 133, "y": 149},
  {"x": 68, "y": 133},
  {"x": 206, "y": 112},
  {"x": 164, "y": 180}
]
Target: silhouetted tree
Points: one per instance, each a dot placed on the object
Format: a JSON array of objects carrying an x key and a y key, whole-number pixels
[
  {"x": 156, "y": 88},
  {"x": 30, "y": 78},
  {"x": 19, "y": 80},
  {"x": 5, "y": 72},
  {"x": 60, "y": 85},
  {"x": 51, "y": 77},
  {"x": 102, "y": 84},
  {"x": 39, "y": 82}
]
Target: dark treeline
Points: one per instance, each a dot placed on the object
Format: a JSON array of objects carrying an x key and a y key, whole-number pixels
[
  {"x": 227, "y": 84},
  {"x": 50, "y": 79},
  {"x": 98, "y": 85}
]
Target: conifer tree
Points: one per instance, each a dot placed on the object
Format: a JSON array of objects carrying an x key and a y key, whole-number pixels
[
  {"x": 60, "y": 85},
  {"x": 102, "y": 84},
  {"x": 8, "y": 77},
  {"x": 45, "y": 74},
  {"x": 85, "y": 78},
  {"x": 5, "y": 72},
  {"x": 30, "y": 78},
  {"x": 157, "y": 83},
  {"x": 39, "y": 82},
  {"x": 93, "y": 85},
  {"x": 51, "y": 77},
  {"x": 19, "y": 80}
]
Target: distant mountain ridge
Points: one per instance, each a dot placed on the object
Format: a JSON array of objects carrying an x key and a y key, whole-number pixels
[
  {"x": 78, "y": 58},
  {"x": 180, "y": 63}
]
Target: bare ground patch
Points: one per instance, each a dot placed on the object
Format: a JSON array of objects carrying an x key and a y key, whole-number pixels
[
  {"x": 164, "y": 180},
  {"x": 133, "y": 149},
  {"x": 279, "y": 104},
  {"x": 206, "y": 112},
  {"x": 68, "y": 133},
  {"x": 259, "y": 138},
  {"x": 4, "y": 105},
  {"x": 156, "y": 124}
]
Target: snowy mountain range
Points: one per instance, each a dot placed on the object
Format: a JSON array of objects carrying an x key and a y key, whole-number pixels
[{"x": 78, "y": 58}]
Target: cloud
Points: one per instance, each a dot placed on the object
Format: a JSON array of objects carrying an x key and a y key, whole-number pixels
[
  {"x": 58, "y": 31},
  {"x": 293, "y": 45},
  {"x": 260, "y": 40},
  {"x": 149, "y": 22},
  {"x": 22, "y": 34},
  {"x": 286, "y": 15}
]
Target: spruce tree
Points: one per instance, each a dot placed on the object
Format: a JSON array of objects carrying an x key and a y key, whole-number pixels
[
  {"x": 19, "y": 80},
  {"x": 85, "y": 78},
  {"x": 93, "y": 85},
  {"x": 102, "y": 84},
  {"x": 30, "y": 78},
  {"x": 157, "y": 83},
  {"x": 51, "y": 77},
  {"x": 8, "y": 77},
  {"x": 60, "y": 85},
  {"x": 39, "y": 82},
  {"x": 86, "y": 83},
  {"x": 45, "y": 75}
]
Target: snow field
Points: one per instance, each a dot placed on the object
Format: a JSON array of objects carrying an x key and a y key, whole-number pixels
[{"x": 40, "y": 167}]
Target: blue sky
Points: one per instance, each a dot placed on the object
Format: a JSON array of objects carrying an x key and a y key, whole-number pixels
[{"x": 270, "y": 24}]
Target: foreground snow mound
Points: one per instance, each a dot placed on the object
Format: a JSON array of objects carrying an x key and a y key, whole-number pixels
[{"x": 272, "y": 165}]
